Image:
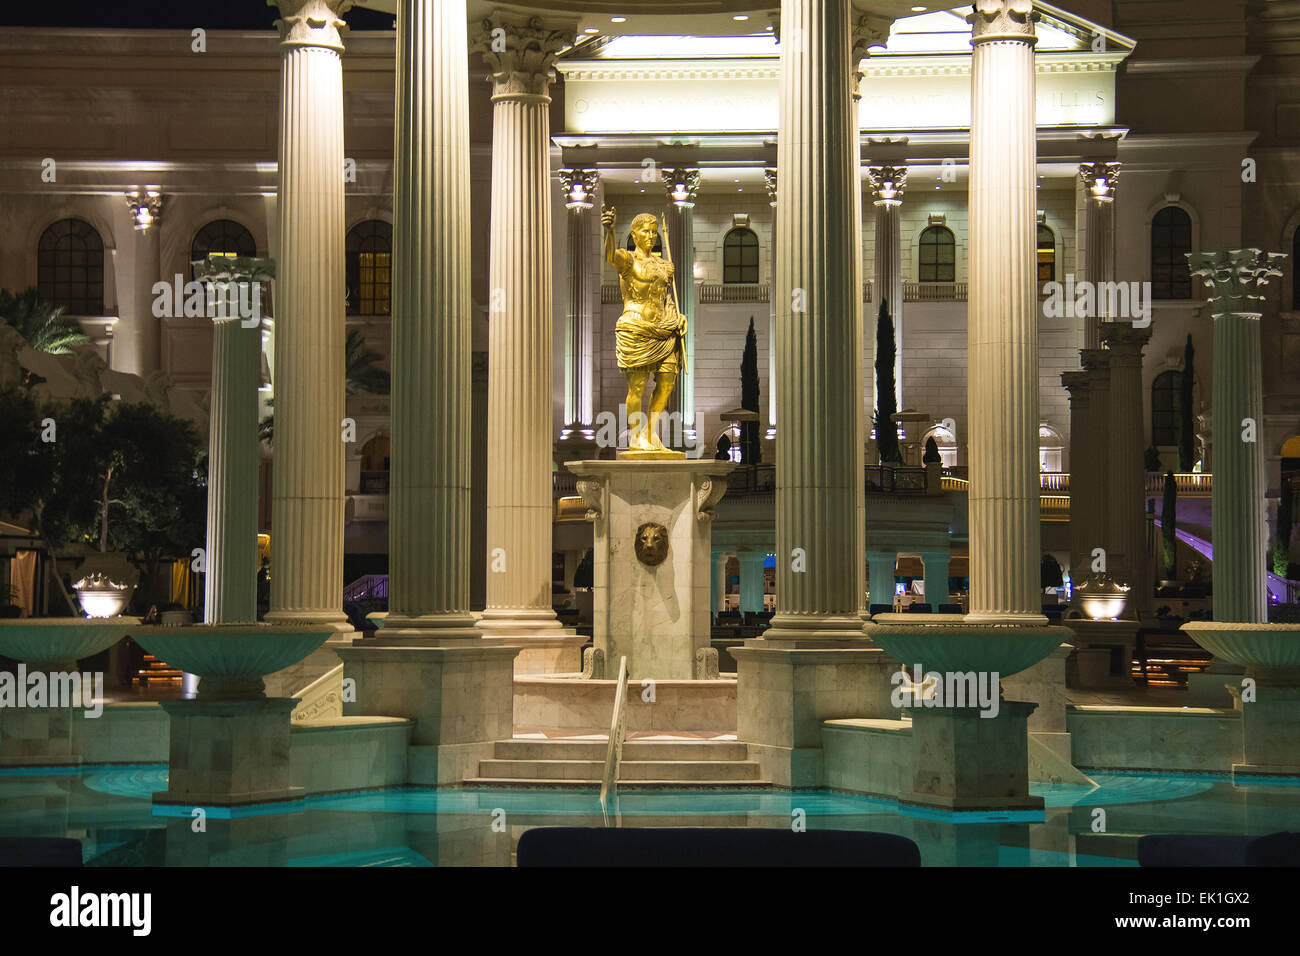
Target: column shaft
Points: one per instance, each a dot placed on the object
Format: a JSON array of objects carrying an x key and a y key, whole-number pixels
[
  {"x": 308, "y": 474},
  {"x": 1126, "y": 558},
  {"x": 751, "y": 580},
  {"x": 142, "y": 345},
  {"x": 819, "y": 495},
  {"x": 233, "y": 458},
  {"x": 1240, "y": 521},
  {"x": 1003, "y": 323},
  {"x": 429, "y": 540},
  {"x": 936, "y": 578},
  {"x": 881, "y": 582}
]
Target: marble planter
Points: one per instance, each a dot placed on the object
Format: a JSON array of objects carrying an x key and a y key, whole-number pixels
[
  {"x": 230, "y": 745},
  {"x": 50, "y": 646},
  {"x": 966, "y": 758},
  {"x": 652, "y": 552},
  {"x": 1270, "y": 722},
  {"x": 106, "y": 583}
]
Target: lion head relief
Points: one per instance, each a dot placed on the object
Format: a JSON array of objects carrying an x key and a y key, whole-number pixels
[{"x": 651, "y": 544}]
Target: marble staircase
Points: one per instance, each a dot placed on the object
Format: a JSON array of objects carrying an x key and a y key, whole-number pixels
[{"x": 646, "y": 764}]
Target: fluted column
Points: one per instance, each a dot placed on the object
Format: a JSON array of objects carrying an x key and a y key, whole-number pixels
[
  {"x": 1097, "y": 493},
  {"x": 308, "y": 471},
  {"x": 1125, "y": 502},
  {"x": 936, "y": 577},
  {"x": 751, "y": 580},
  {"x": 770, "y": 181},
  {"x": 579, "y": 355},
  {"x": 682, "y": 186},
  {"x": 519, "y": 439},
  {"x": 1099, "y": 180},
  {"x": 428, "y": 527},
  {"x": 137, "y": 337},
  {"x": 1084, "y": 480},
  {"x": 1003, "y": 317},
  {"x": 819, "y": 492},
  {"x": 887, "y": 185},
  {"x": 230, "y": 582},
  {"x": 719, "y": 580},
  {"x": 881, "y": 565},
  {"x": 1240, "y": 520}
]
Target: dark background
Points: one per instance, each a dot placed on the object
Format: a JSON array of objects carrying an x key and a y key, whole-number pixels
[{"x": 164, "y": 15}]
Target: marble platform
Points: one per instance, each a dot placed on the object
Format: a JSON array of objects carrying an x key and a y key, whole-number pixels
[{"x": 565, "y": 702}]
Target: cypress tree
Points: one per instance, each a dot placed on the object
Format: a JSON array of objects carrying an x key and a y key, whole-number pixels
[
  {"x": 1169, "y": 526},
  {"x": 1186, "y": 413},
  {"x": 886, "y": 396},
  {"x": 1282, "y": 538},
  {"x": 750, "y": 449}
]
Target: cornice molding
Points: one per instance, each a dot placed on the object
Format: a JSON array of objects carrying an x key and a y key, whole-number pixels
[{"x": 1206, "y": 64}]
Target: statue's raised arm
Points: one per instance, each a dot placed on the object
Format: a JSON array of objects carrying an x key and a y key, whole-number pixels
[{"x": 615, "y": 256}]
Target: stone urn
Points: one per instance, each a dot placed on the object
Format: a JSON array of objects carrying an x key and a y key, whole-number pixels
[
  {"x": 57, "y": 643},
  {"x": 106, "y": 582},
  {"x": 1270, "y": 691},
  {"x": 230, "y": 746},
  {"x": 230, "y": 660},
  {"x": 1101, "y": 597}
]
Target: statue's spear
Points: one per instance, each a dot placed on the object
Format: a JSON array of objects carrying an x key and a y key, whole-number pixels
[{"x": 668, "y": 254}]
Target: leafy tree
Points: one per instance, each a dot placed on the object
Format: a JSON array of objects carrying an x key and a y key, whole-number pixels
[
  {"x": 362, "y": 376},
  {"x": 583, "y": 574},
  {"x": 750, "y": 446},
  {"x": 1049, "y": 572},
  {"x": 1187, "y": 414},
  {"x": 886, "y": 394},
  {"x": 1169, "y": 526},
  {"x": 43, "y": 325}
]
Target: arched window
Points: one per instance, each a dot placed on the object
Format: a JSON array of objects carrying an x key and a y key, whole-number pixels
[
  {"x": 1295, "y": 270},
  {"x": 1171, "y": 240},
  {"x": 370, "y": 268},
  {"x": 1166, "y": 408},
  {"x": 938, "y": 255},
  {"x": 70, "y": 267},
  {"x": 1046, "y": 254},
  {"x": 740, "y": 257},
  {"x": 222, "y": 237}
]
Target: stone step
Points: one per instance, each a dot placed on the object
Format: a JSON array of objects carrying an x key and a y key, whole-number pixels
[
  {"x": 623, "y": 785},
  {"x": 629, "y": 770},
  {"x": 632, "y": 750}
]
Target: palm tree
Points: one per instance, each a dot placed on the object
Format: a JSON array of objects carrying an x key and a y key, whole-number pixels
[
  {"x": 42, "y": 324},
  {"x": 363, "y": 376}
]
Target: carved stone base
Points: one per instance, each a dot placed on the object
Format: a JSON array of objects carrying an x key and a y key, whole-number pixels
[
  {"x": 706, "y": 663},
  {"x": 593, "y": 663}
]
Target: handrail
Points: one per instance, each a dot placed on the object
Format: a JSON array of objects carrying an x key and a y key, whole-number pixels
[{"x": 617, "y": 728}]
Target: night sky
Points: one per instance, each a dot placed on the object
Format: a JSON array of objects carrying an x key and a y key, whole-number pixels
[{"x": 164, "y": 15}]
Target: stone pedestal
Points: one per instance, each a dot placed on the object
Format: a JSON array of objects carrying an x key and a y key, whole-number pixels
[
  {"x": 228, "y": 753},
  {"x": 460, "y": 697},
  {"x": 786, "y": 693},
  {"x": 653, "y": 524},
  {"x": 37, "y": 737},
  {"x": 1270, "y": 727},
  {"x": 1096, "y": 644},
  {"x": 966, "y": 762}
]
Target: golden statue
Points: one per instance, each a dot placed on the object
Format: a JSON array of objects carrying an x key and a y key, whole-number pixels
[{"x": 650, "y": 334}]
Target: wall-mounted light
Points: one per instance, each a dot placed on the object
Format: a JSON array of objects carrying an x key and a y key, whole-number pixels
[{"x": 145, "y": 206}]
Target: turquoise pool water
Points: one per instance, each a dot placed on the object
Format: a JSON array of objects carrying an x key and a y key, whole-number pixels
[{"x": 109, "y": 810}]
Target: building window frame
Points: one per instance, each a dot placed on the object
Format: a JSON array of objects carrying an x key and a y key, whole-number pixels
[
  {"x": 740, "y": 257},
  {"x": 936, "y": 254},
  {"x": 70, "y": 266},
  {"x": 369, "y": 265}
]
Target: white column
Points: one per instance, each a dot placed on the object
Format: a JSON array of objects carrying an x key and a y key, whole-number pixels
[
  {"x": 579, "y": 319},
  {"x": 1125, "y": 499},
  {"x": 881, "y": 564},
  {"x": 137, "y": 338},
  {"x": 887, "y": 185},
  {"x": 819, "y": 493},
  {"x": 936, "y": 578},
  {"x": 428, "y": 528},
  {"x": 1084, "y": 480},
  {"x": 519, "y": 440},
  {"x": 770, "y": 179},
  {"x": 1099, "y": 181},
  {"x": 230, "y": 581},
  {"x": 1240, "y": 519},
  {"x": 751, "y": 580},
  {"x": 719, "y": 580},
  {"x": 1003, "y": 318},
  {"x": 681, "y": 187}
]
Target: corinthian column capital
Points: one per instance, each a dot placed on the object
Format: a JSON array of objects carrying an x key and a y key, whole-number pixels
[
  {"x": 305, "y": 23},
  {"x": 887, "y": 184},
  {"x": 1003, "y": 20},
  {"x": 1101, "y": 179},
  {"x": 579, "y": 186},
  {"x": 682, "y": 186},
  {"x": 521, "y": 55},
  {"x": 1237, "y": 278}
]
